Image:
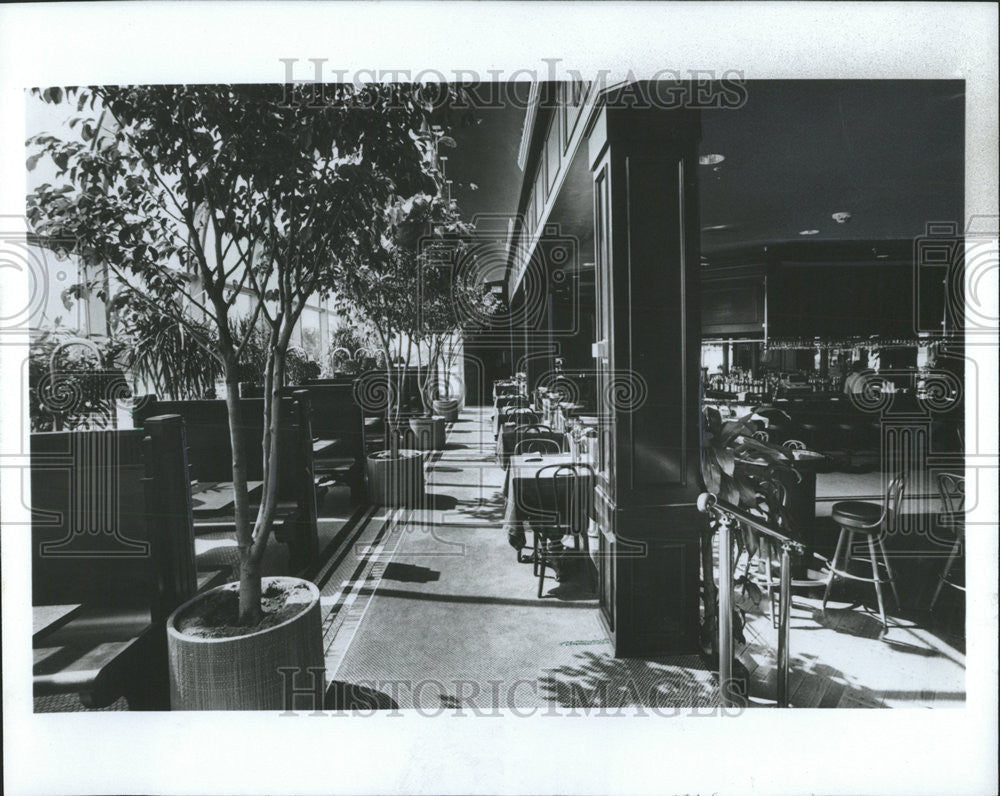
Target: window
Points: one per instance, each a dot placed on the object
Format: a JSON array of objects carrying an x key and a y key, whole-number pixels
[
  {"x": 540, "y": 194},
  {"x": 574, "y": 94},
  {"x": 552, "y": 151}
]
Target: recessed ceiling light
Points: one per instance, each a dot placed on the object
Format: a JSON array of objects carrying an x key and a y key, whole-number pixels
[
  {"x": 716, "y": 228},
  {"x": 711, "y": 160},
  {"x": 809, "y": 232}
]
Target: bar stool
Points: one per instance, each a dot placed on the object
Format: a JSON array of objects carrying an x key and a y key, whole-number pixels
[{"x": 868, "y": 520}]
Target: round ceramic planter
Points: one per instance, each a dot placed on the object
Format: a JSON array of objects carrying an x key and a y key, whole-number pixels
[
  {"x": 428, "y": 432},
  {"x": 395, "y": 481},
  {"x": 242, "y": 672},
  {"x": 447, "y": 408}
]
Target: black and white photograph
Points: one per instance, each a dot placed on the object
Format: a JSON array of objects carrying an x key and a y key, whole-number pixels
[{"x": 499, "y": 398}]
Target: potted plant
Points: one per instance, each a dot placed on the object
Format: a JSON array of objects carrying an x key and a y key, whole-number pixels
[
  {"x": 444, "y": 404},
  {"x": 399, "y": 286},
  {"x": 192, "y": 197},
  {"x": 726, "y": 452}
]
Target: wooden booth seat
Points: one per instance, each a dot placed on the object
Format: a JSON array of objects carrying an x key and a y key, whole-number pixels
[
  {"x": 210, "y": 457},
  {"x": 339, "y": 433},
  {"x": 112, "y": 556}
]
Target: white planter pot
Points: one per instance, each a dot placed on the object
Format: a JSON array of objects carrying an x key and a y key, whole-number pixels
[
  {"x": 428, "y": 432},
  {"x": 396, "y": 481},
  {"x": 447, "y": 408},
  {"x": 242, "y": 672}
]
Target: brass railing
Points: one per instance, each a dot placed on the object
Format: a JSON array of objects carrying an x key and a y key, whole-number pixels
[{"x": 727, "y": 516}]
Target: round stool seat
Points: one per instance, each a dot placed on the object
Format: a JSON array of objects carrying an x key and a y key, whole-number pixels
[{"x": 857, "y": 514}]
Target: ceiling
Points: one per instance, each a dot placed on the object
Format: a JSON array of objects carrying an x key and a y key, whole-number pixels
[{"x": 890, "y": 153}]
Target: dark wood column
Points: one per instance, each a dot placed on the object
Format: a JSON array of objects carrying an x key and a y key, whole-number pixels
[{"x": 644, "y": 164}]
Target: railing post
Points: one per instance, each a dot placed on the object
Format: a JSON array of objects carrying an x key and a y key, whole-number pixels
[
  {"x": 786, "y": 599},
  {"x": 725, "y": 611}
]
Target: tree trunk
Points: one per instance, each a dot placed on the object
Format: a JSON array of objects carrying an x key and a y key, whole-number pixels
[
  {"x": 272, "y": 432},
  {"x": 250, "y": 575},
  {"x": 249, "y": 596}
]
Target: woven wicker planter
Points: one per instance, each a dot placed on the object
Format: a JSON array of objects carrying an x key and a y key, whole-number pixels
[
  {"x": 396, "y": 481},
  {"x": 428, "y": 432},
  {"x": 447, "y": 408},
  {"x": 241, "y": 673}
]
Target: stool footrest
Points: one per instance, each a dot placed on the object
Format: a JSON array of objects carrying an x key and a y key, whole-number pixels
[{"x": 843, "y": 573}]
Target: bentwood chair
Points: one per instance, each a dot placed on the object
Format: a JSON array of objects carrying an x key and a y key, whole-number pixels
[
  {"x": 536, "y": 444},
  {"x": 512, "y": 402},
  {"x": 562, "y": 505},
  {"x": 868, "y": 520},
  {"x": 524, "y": 417},
  {"x": 534, "y": 428},
  {"x": 952, "y": 489}
]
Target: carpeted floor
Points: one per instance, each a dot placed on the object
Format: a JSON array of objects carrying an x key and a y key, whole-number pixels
[{"x": 447, "y": 619}]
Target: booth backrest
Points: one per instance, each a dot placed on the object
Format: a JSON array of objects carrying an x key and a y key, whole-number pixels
[
  {"x": 111, "y": 517},
  {"x": 335, "y": 414},
  {"x": 209, "y": 444},
  {"x": 366, "y": 391}
]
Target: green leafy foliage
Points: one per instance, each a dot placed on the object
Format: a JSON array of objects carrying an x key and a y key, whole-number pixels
[
  {"x": 352, "y": 351},
  {"x": 199, "y": 197},
  {"x": 74, "y": 383}
]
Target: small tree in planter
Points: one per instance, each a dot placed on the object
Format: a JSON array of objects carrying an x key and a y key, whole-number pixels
[
  {"x": 400, "y": 287},
  {"x": 193, "y": 196},
  {"x": 466, "y": 302}
]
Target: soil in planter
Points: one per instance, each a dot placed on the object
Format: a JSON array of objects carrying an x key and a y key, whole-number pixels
[{"x": 215, "y": 616}]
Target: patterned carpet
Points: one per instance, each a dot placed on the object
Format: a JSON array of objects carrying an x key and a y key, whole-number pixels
[{"x": 442, "y": 617}]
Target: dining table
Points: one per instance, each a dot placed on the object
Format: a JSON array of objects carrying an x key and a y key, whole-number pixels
[
  {"x": 510, "y": 434},
  {"x": 509, "y": 414},
  {"x": 46, "y": 619},
  {"x": 501, "y": 389},
  {"x": 522, "y": 499},
  {"x": 324, "y": 447}
]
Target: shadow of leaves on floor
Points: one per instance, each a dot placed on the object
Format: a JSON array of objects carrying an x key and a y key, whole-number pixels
[{"x": 598, "y": 680}]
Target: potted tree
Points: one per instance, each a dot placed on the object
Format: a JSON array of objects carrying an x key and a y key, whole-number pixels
[
  {"x": 193, "y": 197},
  {"x": 398, "y": 286},
  {"x": 467, "y": 301}
]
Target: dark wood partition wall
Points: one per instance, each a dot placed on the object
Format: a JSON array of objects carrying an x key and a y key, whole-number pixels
[{"x": 646, "y": 241}]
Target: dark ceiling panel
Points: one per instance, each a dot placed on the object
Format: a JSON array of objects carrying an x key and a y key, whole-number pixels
[{"x": 891, "y": 153}]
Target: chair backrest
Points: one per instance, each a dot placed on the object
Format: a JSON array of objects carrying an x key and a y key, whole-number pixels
[
  {"x": 894, "y": 496},
  {"x": 538, "y": 444},
  {"x": 713, "y": 418},
  {"x": 524, "y": 417},
  {"x": 534, "y": 428},
  {"x": 515, "y": 401},
  {"x": 564, "y": 495},
  {"x": 952, "y": 490}
]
